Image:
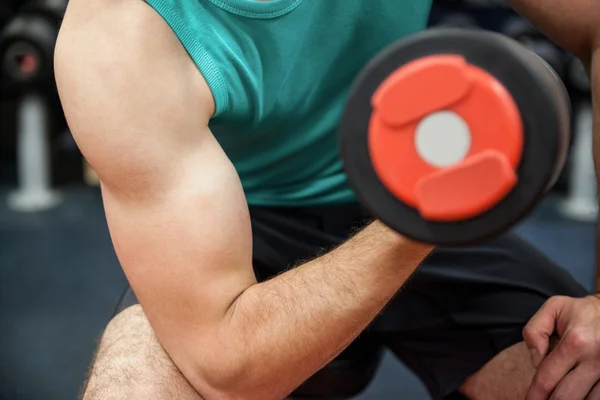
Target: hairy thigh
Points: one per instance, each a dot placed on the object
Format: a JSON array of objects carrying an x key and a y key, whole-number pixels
[
  {"x": 506, "y": 377},
  {"x": 131, "y": 364}
]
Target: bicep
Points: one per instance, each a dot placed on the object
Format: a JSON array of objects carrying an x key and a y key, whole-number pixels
[
  {"x": 186, "y": 251},
  {"x": 139, "y": 110}
]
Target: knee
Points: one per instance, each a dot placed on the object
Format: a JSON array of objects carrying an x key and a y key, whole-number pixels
[
  {"x": 129, "y": 325},
  {"x": 132, "y": 317},
  {"x": 131, "y": 364},
  {"x": 507, "y": 376}
]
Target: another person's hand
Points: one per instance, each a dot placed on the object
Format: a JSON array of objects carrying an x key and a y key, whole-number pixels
[{"x": 572, "y": 369}]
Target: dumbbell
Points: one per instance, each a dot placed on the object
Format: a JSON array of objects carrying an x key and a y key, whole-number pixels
[
  {"x": 51, "y": 9},
  {"x": 452, "y": 136},
  {"x": 525, "y": 33},
  {"x": 27, "y": 42},
  {"x": 5, "y": 13},
  {"x": 578, "y": 76},
  {"x": 457, "y": 20},
  {"x": 26, "y": 59}
]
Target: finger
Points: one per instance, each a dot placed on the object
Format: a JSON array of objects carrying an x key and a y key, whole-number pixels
[
  {"x": 577, "y": 384},
  {"x": 550, "y": 371},
  {"x": 594, "y": 393},
  {"x": 537, "y": 332}
]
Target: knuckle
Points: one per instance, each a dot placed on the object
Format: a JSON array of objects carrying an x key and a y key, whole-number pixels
[
  {"x": 555, "y": 301},
  {"x": 546, "y": 386},
  {"x": 578, "y": 340},
  {"x": 541, "y": 385},
  {"x": 528, "y": 333},
  {"x": 560, "y": 396}
]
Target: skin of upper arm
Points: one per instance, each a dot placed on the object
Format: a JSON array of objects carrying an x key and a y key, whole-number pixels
[
  {"x": 139, "y": 108},
  {"x": 575, "y": 26},
  {"x": 572, "y": 24}
]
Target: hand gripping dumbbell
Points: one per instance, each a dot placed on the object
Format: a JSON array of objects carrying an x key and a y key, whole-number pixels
[{"x": 452, "y": 136}]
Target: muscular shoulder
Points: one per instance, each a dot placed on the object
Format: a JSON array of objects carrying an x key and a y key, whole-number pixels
[
  {"x": 126, "y": 42},
  {"x": 131, "y": 94}
]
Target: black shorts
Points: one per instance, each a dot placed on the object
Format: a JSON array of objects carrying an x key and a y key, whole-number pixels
[{"x": 458, "y": 310}]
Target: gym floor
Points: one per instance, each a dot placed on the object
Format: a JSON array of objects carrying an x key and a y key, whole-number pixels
[{"x": 60, "y": 280}]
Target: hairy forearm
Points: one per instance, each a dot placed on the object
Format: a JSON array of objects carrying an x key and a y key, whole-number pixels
[{"x": 283, "y": 330}]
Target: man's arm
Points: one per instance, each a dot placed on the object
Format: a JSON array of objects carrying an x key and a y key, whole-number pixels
[
  {"x": 139, "y": 110},
  {"x": 575, "y": 26},
  {"x": 572, "y": 24},
  {"x": 570, "y": 370}
]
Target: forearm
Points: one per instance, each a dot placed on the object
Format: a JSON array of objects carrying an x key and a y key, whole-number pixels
[
  {"x": 292, "y": 325},
  {"x": 572, "y": 24}
]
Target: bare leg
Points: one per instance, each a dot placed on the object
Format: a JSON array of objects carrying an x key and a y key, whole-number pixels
[
  {"x": 506, "y": 377},
  {"x": 131, "y": 365}
]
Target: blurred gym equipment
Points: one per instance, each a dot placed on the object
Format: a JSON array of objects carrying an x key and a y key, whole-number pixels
[
  {"x": 581, "y": 203},
  {"x": 522, "y": 31},
  {"x": 578, "y": 77},
  {"x": 26, "y": 53},
  {"x": 459, "y": 20}
]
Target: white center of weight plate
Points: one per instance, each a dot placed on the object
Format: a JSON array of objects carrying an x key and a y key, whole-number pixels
[{"x": 443, "y": 138}]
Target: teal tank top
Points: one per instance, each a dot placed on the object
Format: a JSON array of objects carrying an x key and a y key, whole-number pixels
[{"x": 280, "y": 72}]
